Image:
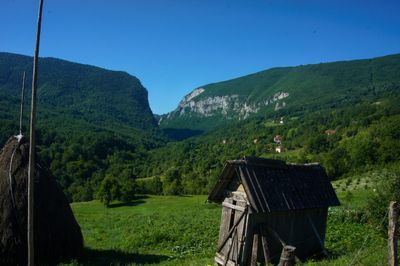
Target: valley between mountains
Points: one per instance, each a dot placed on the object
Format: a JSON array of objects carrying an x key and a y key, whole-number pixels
[
  {"x": 96, "y": 124},
  {"x": 137, "y": 180}
]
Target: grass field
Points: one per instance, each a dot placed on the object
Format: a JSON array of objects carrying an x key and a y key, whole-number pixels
[
  {"x": 151, "y": 230},
  {"x": 167, "y": 230}
]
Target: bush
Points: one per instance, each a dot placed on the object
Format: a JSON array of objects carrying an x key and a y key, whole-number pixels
[
  {"x": 378, "y": 203},
  {"x": 113, "y": 188},
  {"x": 81, "y": 192},
  {"x": 152, "y": 186}
]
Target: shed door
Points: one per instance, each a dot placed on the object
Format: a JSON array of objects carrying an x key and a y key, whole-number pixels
[{"x": 232, "y": 232}]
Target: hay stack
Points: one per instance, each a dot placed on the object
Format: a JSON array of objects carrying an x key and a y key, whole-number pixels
[{"x": 57, "y": 234}]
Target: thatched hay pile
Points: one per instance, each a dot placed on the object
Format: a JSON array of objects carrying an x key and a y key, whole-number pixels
[{"x": 57, "y": 234}]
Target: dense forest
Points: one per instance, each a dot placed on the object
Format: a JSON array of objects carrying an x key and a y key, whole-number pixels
[
  {"x": 100, "y": 143},
  {"x": 86, "y": 116},
  {"x": 347, "y": 140}
]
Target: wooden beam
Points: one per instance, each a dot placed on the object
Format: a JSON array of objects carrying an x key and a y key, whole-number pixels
[
  {"x": 254, "y": 251},
  {"x": 220, "y": 260},
  {"x": 230, "y": 248},
  {"x": 235, "y": 207},
  {"x": 21, "y": 112},
  {"x": 246, "y": 244},
  {"x": 225, "y": 222},
  {"x": 242, "y": 228},
  {"x": 265, "y": 247},
  {"x": 392, "y": 234},
  {"x": 31, "y": 167}
]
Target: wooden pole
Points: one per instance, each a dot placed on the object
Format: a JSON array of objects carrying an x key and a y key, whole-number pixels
[
  {"x": 254, "y": 252},
  {"x": 22, "y": 104},
  {"x": 31, "y": 168},
  {"x": 392, "y": 232},
  {"x": 265, "y": 246},
  {"x": 287, "y": 257}
]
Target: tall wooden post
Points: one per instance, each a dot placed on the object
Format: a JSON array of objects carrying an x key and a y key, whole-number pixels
[
  {"x": 31, "y": 168},
  {"x": 392, "y": 232},
  {"x": 21, "y": 113}
]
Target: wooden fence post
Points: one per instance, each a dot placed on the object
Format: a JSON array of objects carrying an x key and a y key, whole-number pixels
[
  {"x": 288, "y": 257},
  {"x": 31, "y": 165},
  {"x": 392, "y": 232}
]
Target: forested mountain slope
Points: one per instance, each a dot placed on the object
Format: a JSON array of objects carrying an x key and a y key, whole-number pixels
[
  {"x": 110, "y": 100},
  {"x": 285, "y": 91},
  {"x": 87, "y": 117}
]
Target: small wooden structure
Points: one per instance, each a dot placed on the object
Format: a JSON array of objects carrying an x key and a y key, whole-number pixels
[
  {"x": 268, "y": 204},
  {"x": 278, "y": 139}
]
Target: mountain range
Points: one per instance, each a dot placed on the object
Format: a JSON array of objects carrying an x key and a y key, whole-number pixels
[
  {"x": 282, "y": 92},
  {"x": 96, "y": 125}
]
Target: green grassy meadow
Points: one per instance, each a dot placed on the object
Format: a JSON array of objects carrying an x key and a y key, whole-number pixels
[
  {"x": 162, "y": 230},
  {"x": 173, "y": 230}
]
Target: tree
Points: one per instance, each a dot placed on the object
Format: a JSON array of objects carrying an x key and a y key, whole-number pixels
[
  {"x": 389, "y": 190},
  {"x": 109, "y": 190},
  {"x": 172, "y": 184},
  {"x": 128, "y": 190},
  {"x": 336, "y": 162},
  {"x": 155, "y": 186}
]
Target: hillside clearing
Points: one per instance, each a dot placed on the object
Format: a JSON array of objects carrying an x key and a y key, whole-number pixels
[{"x": 173, "y": 230}]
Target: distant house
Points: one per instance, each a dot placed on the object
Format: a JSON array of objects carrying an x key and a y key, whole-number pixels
[
  {"x": 279, "y": 148},
  {"x": 330, "y": 132},
  {"x": 278, "y": 139},
  {"x": 268, "y": 204}
]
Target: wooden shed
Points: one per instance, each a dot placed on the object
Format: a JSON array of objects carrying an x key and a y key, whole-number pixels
[{"x": 268, "y": 204}]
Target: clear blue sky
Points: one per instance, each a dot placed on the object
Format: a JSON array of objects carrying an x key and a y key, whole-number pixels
[{"x": 176, "y": 46}]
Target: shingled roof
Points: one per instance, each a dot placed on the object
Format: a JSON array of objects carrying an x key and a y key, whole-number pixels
[{"x": 273, "y": 185}]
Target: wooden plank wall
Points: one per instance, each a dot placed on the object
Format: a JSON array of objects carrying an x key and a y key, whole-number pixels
[
  {"x": 233, "y": 208},
  {"x": 225, "y": 225}
]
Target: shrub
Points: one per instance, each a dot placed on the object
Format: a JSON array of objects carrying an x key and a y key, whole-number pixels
[{"x": 378, "y": 203}]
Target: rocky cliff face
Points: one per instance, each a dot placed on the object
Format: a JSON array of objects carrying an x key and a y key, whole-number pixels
[{"x": 231, "y": 106}]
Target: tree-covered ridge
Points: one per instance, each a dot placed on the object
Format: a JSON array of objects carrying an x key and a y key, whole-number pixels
[
  {"x": 293, "y": 89},
  {"x": 113, "y": 100},
  {"x": 86, "y": 117}
]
